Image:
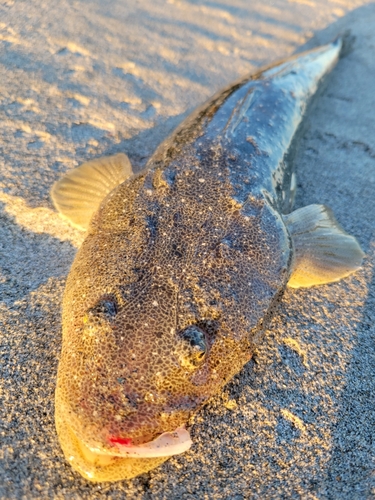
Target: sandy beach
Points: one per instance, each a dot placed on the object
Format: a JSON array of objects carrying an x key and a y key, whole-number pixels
[{"x": 80, "y": 79}]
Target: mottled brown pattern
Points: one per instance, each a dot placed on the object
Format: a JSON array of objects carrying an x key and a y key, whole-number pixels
[
  {"x": 197, "y": 239},
  {"x": 160, "y": 261}
]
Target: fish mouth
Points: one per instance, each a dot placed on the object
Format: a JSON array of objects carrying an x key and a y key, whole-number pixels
[
  {"x": 116, "y": 458},
  {"x": 166, "y": 444}
]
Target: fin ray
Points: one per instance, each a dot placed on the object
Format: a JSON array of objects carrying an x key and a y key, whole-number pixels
[
  {"x": 324, "y": 252},
  {"x": 79, "y": 194}
]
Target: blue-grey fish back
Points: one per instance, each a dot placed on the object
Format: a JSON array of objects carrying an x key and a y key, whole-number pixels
[{"x": 251, "y": 125}]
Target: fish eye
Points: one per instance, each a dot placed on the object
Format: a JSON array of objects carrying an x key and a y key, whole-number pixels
[
  {"x": 195, "y": 348},
  {"x": 106, "y": 308}
]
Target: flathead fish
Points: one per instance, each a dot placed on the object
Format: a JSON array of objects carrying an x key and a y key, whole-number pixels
[{"x": 183, "y": 266}]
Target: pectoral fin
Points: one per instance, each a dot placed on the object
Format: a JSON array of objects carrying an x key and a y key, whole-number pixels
[
  {"x": 78, "y": 195},
  {"x": 324, "y": 252}
]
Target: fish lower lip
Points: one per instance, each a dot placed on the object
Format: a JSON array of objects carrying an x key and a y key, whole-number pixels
[{"x": 165, "y": 445}]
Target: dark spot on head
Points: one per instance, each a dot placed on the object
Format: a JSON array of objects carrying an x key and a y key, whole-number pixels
[
  {"x": 195, "y": 348},
  {"x": 177, "y": 250},
  {"x": 177, "y": 219},
  {"x": 106, "y": 308},
  {"x": 210, "y": 326},
  {"x": 151, "y": 222},
  {"x": 170, "y": 176}
]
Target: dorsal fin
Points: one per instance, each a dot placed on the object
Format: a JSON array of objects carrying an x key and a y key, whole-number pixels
[{"x": 78, "y": 195}]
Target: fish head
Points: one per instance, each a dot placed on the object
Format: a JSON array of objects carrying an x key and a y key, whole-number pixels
[
  {"x": 156, "y": 319},
  {"x": 129, "y": 374}
]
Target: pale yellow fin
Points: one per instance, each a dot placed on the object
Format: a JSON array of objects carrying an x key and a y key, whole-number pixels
[
  {"x": 78, "y": 195},
  {"x": 324, "y": 252}
]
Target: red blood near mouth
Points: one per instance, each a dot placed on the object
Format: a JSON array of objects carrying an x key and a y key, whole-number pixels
[{"x": 121, "y": 441}]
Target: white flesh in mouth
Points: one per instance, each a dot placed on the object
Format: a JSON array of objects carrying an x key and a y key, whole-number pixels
[{"x": 165, "y": 445}]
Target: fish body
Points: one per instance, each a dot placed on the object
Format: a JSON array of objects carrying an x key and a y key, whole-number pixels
[{"x": 182, "y": 268}]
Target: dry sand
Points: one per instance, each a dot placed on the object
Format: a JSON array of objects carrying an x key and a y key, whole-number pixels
[{"x": 79, "y": 79}]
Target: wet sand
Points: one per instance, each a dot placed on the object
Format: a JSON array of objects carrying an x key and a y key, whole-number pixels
[{"x": 82, "y": 79}]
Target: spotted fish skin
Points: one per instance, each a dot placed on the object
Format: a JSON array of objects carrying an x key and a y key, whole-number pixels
[{"x": 181, "y": 270}]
